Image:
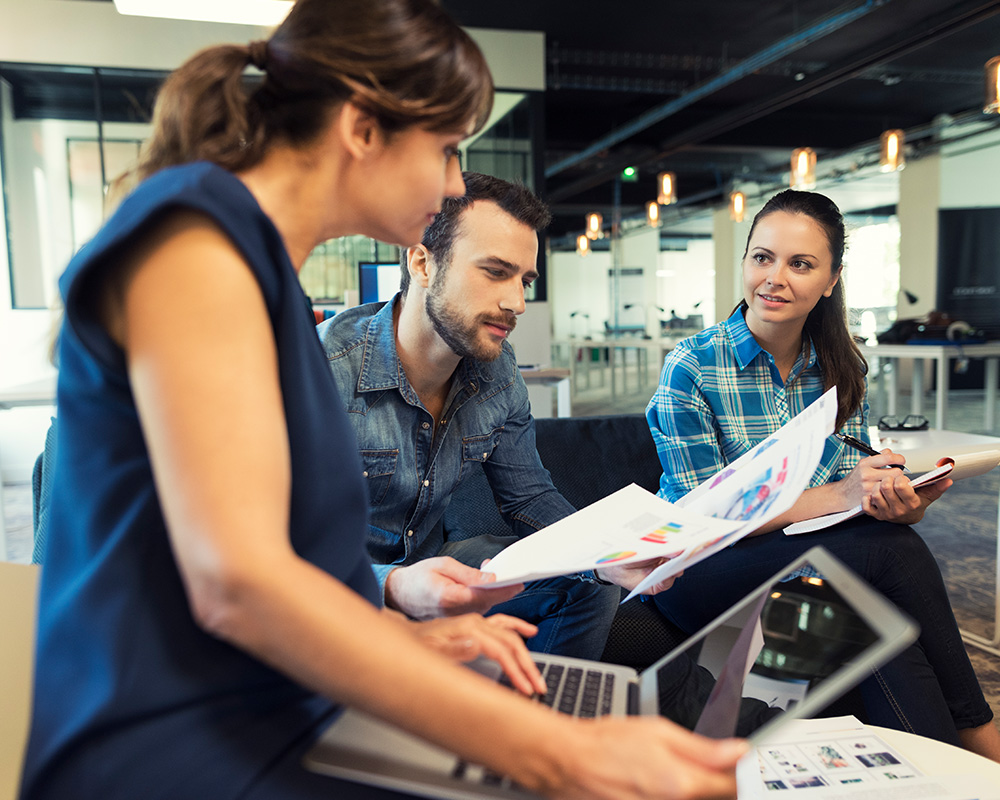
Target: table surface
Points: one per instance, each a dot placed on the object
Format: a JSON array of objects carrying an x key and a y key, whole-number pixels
[
  {"x": 923, "y": 448},
  {"x": 954, "y": 350}
]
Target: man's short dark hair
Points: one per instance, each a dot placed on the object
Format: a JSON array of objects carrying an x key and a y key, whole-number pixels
[{"x": 514, "y": 198}]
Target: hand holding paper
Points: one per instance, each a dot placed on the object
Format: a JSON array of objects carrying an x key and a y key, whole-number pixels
[
  {"x": 961, "y": 466},
  {"x": 633, "y": 525}
]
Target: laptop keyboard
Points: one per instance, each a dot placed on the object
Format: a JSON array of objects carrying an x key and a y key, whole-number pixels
[{"x": 575, "y": 691}]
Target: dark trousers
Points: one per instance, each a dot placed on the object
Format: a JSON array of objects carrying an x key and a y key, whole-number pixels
[{"x": 929, "y": 689}]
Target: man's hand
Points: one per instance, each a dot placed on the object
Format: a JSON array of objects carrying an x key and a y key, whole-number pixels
[
  {"x": 628, "y": 576},
  {"x": 443, "y": 587},
  {"x": 499, "y": 637}
]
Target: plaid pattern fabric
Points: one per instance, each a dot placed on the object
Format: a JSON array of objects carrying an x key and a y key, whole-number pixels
[{"x": 720, "y": 394}]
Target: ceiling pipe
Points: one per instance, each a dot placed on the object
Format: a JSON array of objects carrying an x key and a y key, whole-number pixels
[
  {"x": 747, "y": 66},
  {"x": 944, "y": 26}
]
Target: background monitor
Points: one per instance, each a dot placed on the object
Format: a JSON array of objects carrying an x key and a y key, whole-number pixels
[{"x": 378, "y": 281}]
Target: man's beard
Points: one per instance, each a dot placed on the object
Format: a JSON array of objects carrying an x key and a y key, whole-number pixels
[{"x": 462, "y": 337}]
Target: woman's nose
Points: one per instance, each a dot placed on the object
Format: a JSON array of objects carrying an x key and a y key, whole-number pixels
[{"x": 776, "y": 275}]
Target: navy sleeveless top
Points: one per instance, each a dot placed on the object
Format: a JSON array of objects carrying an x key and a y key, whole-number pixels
[{"x": 132, "y": 698}]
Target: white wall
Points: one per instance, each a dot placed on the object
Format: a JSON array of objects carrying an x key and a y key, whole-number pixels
[
  {"x": 686, "y": 277},
  {"x": 919, "y": 200},
  {"x": 969, "y": 173},
  {"x": 578, "y": 284}
]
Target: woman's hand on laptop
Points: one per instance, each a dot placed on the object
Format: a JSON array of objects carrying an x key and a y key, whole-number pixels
[{"x": 499, "y": 638}]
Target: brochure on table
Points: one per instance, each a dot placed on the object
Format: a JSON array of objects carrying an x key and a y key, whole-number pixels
[
  {"x": 965, "y": 465},
  {"x": 838, "y": 757},
  {"x": 633, "y": 525}
]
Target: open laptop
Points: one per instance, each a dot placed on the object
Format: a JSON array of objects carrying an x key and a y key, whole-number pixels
[{"x": 821, "y": 631}]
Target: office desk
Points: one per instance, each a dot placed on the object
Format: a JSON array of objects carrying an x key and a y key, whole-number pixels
[
  {"x": 39, "y": 392},
  {"x": 922, "y": 450},
  {"x": 941, "y": 354},
  {"x": 548, "y": 379},
  {"x": 613, "y": 352}
]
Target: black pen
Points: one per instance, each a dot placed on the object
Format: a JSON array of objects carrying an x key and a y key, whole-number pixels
[{"x": 868, "y": 450}]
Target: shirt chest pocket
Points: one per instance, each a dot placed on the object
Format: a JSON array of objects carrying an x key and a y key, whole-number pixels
[
  {"x": 480, "y": 448},
  {"x": 380, "y": 466}
]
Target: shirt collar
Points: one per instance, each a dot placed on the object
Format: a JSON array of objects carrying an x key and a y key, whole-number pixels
[
  {"x": 747, "y": 349},
  {"x": 381, "y": 368}
]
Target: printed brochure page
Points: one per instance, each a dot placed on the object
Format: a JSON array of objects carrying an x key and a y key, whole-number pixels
[
  {"x": 633, "y": 524},
  {"x": 838, "y": 757}
]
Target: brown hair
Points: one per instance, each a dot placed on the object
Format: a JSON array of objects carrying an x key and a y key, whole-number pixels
[
  {"x": 839, "y": 358},
  {"x": 406, "y": 62},
  {"x": 515, "y": 199}
]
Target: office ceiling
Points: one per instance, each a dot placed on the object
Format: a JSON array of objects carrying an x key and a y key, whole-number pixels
[
  {"x": 716, "y": 91},
  {"x": 691, "y": 87}
]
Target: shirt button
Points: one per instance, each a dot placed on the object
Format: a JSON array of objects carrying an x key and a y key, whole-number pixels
[
  {"x": 365, "y": 473},
  {"x": 409, "y": 533},
  {"x": 425, "y": 425},
  {"x": 427, "y": 483},
  {"x": 485, "y": 454}
]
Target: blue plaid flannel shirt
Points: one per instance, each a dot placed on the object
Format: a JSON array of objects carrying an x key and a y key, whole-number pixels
[{"x": 720, "y": 394}]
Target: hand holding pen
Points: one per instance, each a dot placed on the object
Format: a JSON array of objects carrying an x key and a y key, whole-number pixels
[{"x": 860, "y": 446}]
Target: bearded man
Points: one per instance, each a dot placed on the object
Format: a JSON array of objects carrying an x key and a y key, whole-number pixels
[{"x": 432, "y": 388}]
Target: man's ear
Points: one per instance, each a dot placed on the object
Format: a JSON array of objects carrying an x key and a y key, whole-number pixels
[
  {"x": 359, "y": 131},
  {"x": 419, "y": 263}
]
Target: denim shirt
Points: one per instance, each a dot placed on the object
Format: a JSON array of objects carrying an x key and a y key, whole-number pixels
[{"x": 411, "y": 469}]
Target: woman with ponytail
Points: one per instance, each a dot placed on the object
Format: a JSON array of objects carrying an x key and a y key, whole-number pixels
[
  {"x": 207, "y": 603},
  {"x": 728, "y": 388}
]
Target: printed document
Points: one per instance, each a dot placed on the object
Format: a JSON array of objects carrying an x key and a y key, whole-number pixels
[{"x": 633, "y": 524}]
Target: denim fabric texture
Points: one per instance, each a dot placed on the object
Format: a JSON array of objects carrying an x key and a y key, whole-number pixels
[
  {"x": 720, "y": 394},
  {"x": 413, "y": 464}
]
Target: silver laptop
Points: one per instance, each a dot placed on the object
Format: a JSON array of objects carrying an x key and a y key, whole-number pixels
[{"x": 811, "y": 633}]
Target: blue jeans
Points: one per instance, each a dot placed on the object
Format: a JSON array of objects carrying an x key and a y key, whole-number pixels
[
  {"x": 930, "y": 688},
  {"x": 573, "y": 616}
]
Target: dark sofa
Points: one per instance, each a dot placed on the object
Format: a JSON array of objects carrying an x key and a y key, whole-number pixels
[{"x": 588, "y": 458}]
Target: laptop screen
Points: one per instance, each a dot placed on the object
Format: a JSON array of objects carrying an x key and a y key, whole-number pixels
[{"x": 795, "y": 641}]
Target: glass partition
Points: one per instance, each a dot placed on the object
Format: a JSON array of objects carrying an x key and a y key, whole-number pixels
[{"x": 67, "y": 132}]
